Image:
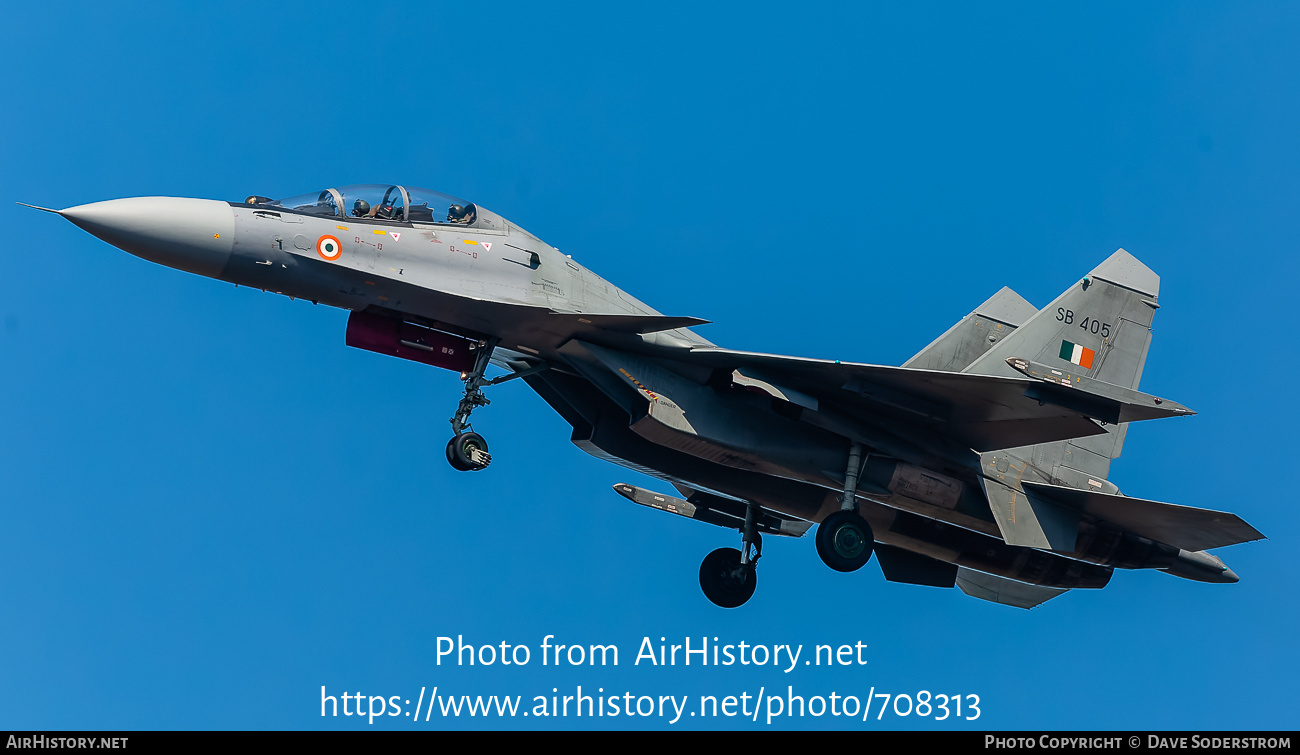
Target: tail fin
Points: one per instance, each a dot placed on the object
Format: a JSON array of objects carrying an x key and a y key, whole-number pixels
[
  {"x": 1101, "y": 328},
  {"x": 975, "y": 333}
]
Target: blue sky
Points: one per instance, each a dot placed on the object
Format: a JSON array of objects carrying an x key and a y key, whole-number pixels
[{"x": 210, "y": 507}]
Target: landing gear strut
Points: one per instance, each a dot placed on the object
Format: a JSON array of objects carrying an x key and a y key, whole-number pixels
[
  {"x": 728, "y": 576},
  {"x": 467, "y": 451},
  {"x": 844, "y": 539}
]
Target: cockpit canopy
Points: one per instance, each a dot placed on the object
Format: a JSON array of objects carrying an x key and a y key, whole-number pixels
[{"x": 380, "y": 202}]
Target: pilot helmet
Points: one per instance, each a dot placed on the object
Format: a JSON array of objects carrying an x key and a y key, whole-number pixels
[
  {"x": 360, "y": 208},
  {"x": 455, "y": 212}
]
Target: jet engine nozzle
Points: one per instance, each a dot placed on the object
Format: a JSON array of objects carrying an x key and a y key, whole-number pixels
[{"x": 194, "y": 235}]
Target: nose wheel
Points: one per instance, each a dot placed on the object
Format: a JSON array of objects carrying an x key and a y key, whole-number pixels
[{"x": 468, "y": 452}]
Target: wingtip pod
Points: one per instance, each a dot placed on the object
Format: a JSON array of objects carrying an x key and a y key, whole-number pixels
[
  {"x": 1123, "y": 269},
  {"x": 712, "y": 509}
]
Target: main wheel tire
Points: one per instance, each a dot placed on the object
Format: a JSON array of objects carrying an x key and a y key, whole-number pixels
[
  {"x": 725, "y": 581},
  {"x": 453, "y": 459},
  {"x": 844, "y": 541}
]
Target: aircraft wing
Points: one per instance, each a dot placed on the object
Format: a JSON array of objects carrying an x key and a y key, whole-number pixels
[{"x": 985, "y": 412}]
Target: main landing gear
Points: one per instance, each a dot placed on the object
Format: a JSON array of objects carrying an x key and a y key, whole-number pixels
[
  {"x": 844, "y": 539},
  {"x": 844, "y": 542},
  {"x": 728, "y": 576}
]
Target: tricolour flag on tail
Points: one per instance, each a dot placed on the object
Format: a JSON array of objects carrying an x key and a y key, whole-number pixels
[{"x": 1076, "y": 354}]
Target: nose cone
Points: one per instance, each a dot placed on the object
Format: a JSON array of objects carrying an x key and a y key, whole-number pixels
[{"x": 195, "y": 235}]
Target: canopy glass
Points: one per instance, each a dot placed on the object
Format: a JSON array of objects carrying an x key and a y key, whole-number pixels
[{"x": 383, "y": 202}]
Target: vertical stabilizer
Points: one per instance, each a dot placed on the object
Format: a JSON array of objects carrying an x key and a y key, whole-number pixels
[
  {"x": 1100, "y": 328},
  {"x": 975, "y": 333},
  {"x": 1008, "y": 592}
]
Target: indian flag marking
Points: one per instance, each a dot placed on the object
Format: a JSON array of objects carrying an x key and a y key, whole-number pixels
[{"x": 1076, "y": 354}]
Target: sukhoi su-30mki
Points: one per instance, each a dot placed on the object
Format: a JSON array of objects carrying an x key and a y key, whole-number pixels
[{"x": 981, "y": 463}]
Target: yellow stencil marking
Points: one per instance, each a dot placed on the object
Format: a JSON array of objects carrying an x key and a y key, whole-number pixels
[
  {"x": 470, "y": 241},
  {"x": 341, "y": 227},
  {"x": 1015, "y": 492},
  {"x": 378, "y": 232},
  {"x": 649, "y": 392}
]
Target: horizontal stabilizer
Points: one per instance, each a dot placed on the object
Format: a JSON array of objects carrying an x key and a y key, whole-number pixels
[
  {"x": 723, "y": 512},
  {"x": 1008, "y": 592},
  {"x": 1096, "y": 398},
  {"x": 1183, "y": 527},
  {"x": 625, "y": 323},
  {"x": 901, "y": 565}
]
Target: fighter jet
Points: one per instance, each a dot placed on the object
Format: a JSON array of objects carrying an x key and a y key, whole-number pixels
[{"x": 981, "y": 463}]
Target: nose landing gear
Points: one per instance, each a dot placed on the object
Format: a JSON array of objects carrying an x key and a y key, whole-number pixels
[{"x": 467, "y": 451}]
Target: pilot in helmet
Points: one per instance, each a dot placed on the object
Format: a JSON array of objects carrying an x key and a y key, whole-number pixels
[
  {"x": 458, "y": 214},
  {"x": 360, "y": 209}
]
